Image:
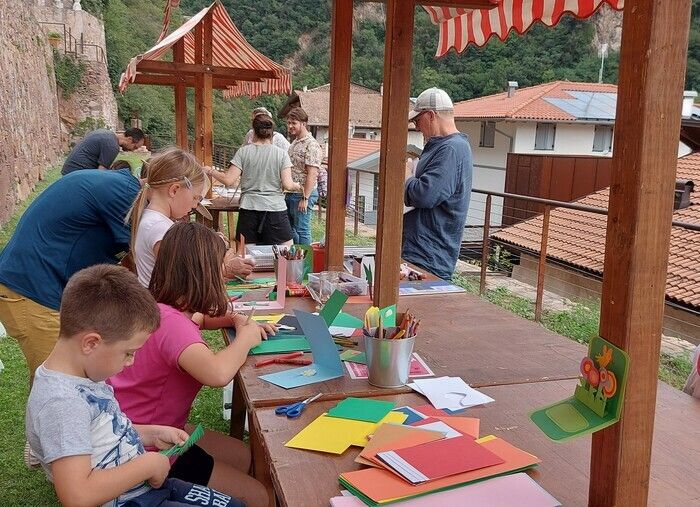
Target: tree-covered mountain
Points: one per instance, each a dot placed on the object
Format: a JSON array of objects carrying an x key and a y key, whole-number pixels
[{"x": 296, "y": 33}]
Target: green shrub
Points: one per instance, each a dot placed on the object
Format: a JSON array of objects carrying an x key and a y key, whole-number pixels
[
  {"x": 88, "y": 125},
  {"x": 69, "y": 73}
]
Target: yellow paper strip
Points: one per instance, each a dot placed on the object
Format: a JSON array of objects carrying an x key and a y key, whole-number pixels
[{"x": 272, "y": 319}]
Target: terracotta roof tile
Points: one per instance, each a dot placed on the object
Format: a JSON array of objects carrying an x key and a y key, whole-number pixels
[
  {"x": 527, "y": 103},
  {"x": 578, "y": 238}
]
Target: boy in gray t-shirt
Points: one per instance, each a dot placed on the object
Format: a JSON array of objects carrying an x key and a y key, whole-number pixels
[{"x": 87, "y": 446}]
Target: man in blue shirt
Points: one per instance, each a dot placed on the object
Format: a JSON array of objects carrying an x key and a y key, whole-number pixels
[
  {"x": 76, "y": 222},
  {"x": 440, "y": 189}
]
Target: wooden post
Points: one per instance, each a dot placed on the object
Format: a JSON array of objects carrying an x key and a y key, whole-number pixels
[
  {"x": 198, "y": 95},
  {"x": 652, "y": 72},
  {"x": 207, "y": 93},
  {"x": 356, "y": 225},
  {"x": 485, "y": 243},
  {"x": 180, "y": 100},
  {"x": 339, "y": 114},
  {"x": 398, "y": 49},
  {"x": 542, "y": 265}
]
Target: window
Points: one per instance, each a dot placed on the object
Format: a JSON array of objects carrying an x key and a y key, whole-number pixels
[
  {"x": 488, "y": 134},
  {"x": 602, "y": 139},
  {"x": 544, "y": 136}
]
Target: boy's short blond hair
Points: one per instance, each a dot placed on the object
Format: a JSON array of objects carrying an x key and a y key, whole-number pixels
[{"x": 108, "y": 300}]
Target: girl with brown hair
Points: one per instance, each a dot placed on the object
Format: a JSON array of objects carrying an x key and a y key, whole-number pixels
[
  {"x": 174, "y": 364},
  {"x": 264, "y": 171}
]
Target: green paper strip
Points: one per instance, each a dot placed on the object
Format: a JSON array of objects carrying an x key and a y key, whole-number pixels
[{"x": 281, "y": 345}]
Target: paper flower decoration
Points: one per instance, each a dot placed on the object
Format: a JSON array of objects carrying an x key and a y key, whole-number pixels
[
  {"x": 594, "y": 377},
  {"x": 586, "y": 366},
  {"x": 609, "y": 386}
]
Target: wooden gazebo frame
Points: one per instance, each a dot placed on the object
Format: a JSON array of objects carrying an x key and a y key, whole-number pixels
[{"x": 652, "y": 71}]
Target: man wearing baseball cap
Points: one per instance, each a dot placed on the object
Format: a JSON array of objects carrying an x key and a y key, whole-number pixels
[
  {"x": 440, "y": 189},
  {"x": 277, "y": 139}
]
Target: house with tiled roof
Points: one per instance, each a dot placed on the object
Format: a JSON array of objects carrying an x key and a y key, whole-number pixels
[
  {"x": 556, "y": 118},
  {"x": 576, "y": 251},
  {"x": 365, "y": 119}
]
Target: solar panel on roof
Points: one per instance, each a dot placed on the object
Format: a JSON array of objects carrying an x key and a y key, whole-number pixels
[{"x": 587, "y": 105}]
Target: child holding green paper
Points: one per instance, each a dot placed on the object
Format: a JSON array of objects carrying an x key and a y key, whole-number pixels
[
  {"x": 176, "y": 362},
  {"x": 87, "y": 446}
]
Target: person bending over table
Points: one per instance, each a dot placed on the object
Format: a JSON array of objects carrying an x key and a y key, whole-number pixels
[
  {"x": 264, "y": 171},
  {"x": 99, "y": 148},
  {"x": 439, "y": 192}
]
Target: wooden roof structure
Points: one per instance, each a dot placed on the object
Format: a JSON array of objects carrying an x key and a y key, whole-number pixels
[
  {"x": 640, "y": 206},
  {"x": 209, "y": 53}
]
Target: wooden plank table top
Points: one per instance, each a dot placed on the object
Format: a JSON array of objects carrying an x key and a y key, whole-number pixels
[{"x": 308, "y": 479}]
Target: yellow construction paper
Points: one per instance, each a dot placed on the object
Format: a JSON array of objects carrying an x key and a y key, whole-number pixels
[
  {"x": 487, "y": 438},
  {"x": 330, "y": 434},
  {"x": 391, "y": 417},
  {"x": 270, "y": 319}
]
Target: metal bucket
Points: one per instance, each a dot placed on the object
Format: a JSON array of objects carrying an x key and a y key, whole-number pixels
[
  {"x": 388, "y": 361},
  {"x": 295, "y": 271}
]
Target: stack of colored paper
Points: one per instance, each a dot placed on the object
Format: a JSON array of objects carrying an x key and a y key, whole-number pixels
[{"x": 451, "y": 393}]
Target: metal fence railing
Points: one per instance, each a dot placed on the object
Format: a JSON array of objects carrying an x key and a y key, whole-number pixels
[{"x": 75, "y": 46}]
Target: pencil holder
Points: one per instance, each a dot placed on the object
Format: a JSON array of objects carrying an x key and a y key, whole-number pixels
[
  {"x": 295, "y": 270},
  {"x": 388, "y": 361}
]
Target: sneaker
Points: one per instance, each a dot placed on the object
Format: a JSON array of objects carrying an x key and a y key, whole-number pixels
[{"x": 30, "y": 458}]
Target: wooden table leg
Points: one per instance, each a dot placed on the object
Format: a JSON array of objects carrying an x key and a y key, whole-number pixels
[
  {"x": 238, "y": 411},
  {"x": 261, "y": 468}
]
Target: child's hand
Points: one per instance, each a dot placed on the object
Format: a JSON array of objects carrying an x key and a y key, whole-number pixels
[
  {"x": 265, "y": 329},
  {"x": 165, "y": 437},
  {"x": 160, "y": 466},
  {"x": 251, "y": 334}
]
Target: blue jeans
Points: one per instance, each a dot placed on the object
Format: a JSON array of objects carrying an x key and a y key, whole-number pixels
[
  {"x": 177, "y": 493},
  {"x": 301, "y": 222}
]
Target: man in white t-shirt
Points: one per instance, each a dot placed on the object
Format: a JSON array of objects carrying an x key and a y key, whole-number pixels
[{"x": 277, "y": 139}]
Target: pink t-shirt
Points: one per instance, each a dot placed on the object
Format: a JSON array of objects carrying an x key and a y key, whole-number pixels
[{"x": 154, "y": 390}]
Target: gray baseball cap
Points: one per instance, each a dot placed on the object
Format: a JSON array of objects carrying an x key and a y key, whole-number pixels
[{"x": 432, "y": 99}]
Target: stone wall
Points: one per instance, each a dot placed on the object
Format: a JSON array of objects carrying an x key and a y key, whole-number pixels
[
  {"x": 29, "y": 122},
  {"x": 93, "y": 99}
]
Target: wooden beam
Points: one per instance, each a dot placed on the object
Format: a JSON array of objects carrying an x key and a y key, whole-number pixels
[
  {"x": 398, "y": 49},
  {"x": 465, "y": 4},
  {"x": 650, "y": 88},
  {"x": 178, "y": 68},
  {"x": 188, "y": 81},
  {"x": 198, "y": 94},
  {"x": 180, "y": 100},
  {"x": 341, "y": 51},
  {"x": 208, "y": 94}
]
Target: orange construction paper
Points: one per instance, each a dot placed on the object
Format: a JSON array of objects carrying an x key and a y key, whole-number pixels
[
  {"x": 381, "y": 485},
  {"x": 465, "y": 425},
  {"x": 393, "y": 436}
]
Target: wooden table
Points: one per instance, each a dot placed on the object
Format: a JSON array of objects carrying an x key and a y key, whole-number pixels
[
  {"x": 219, "y": 205},
  {"x": 308, "y": 479},
  {"x": 461, "y": 335}
]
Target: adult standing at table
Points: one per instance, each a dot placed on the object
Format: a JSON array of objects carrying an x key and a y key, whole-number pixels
[
  {"x": 440, "y": 189},
  {"x": 77, "y": 222},
  {"x": 99, "y": 148},
  {"x": 277, "y": 139},
  {"x": 306, "y": 155},
  {"x": 264, "y": 171}
]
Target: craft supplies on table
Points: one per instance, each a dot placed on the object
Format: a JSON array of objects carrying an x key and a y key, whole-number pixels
[
  {"x": 293, "y": 358},
  {"x": 425, "y": 287},
  {"x": 449, "y": 393},
  {"x": 294, "y": 410}
]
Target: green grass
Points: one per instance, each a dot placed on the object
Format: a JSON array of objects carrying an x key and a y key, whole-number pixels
[{"x": 580, "y": 323}]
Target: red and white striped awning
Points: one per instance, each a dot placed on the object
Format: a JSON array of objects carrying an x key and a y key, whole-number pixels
[
  {"x": 460, "y": 27},
  {"x": 230, "y": 49}
]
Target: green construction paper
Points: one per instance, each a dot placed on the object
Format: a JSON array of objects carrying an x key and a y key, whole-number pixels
[
  {"x": 235, "y": 293},
  {"x": 353, "y": 356},
  {"x": 280, "y": 345},
  {"x": 179, "y": 449},
  {"x": 308, "y": 259},
  {"x": 346, "y": 320},
  {"x": 587, "y": 411},
  {"x": 388, "y": 316},
  {"x": 332, "y": 307},
  {"x": 252, "y": 281},
  {"x": 362, "y": 409}
]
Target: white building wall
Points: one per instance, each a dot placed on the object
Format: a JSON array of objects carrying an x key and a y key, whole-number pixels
[{"x": 414, "y": 137}]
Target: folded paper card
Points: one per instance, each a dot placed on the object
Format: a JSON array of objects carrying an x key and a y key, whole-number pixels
[
  {"x": 346, "y": 320},
  {"x": 597, "y": 400},
  {"x": 278, "y": 304},
  {"x": 332, "y": 308},
  {"x": 449, "y": 393},
  {"x": 377, "y": 486},
  {"x": 514, "y": 490},
  {"x": 362, "y": 409},
  {"x": 326, "y": 365},
  {"x": 280, "y": 345},
  {"x": 420, "y": 463}
]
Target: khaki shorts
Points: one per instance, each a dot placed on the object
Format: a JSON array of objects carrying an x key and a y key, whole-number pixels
[{"x": 35, "y": 327}]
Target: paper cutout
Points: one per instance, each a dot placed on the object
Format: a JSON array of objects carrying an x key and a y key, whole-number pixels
[
  {"x": 332, "y": 308},
  {"x": 438, "y": 459},
  {"x": 375, "y": 485},
  {"x": 279, "y": 303},
  {"x": 362, "y": 409},
  {"x": 281, "y": 345},
  {"x": 388, "y": 316},
  {"x": 514, "y": 490},
  {"x": 346, "y": 320},
  {"x": 449, "y": 392},
  {"x": 394, "y": 436},
  {"x": 597, "y": 400},
  {"x": 325, "y": 354}
]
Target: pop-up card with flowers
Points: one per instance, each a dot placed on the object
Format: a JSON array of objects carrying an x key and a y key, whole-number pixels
[{"x": 598, "y": 397}]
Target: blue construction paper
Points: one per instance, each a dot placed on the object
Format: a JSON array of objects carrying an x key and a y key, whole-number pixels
[
  {"x": 325, "y": 352},
  {"x": 413, "y": 416}
]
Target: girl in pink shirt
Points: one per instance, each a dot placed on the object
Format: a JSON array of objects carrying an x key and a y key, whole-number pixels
[{"x": 176, "y": 362}]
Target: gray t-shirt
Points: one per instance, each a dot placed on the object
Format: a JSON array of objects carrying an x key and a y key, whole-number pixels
[
  {"x": 261, "y": 176},
  {"x": 74, "y": 416},
  {"x": 98, "y": 148}
]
